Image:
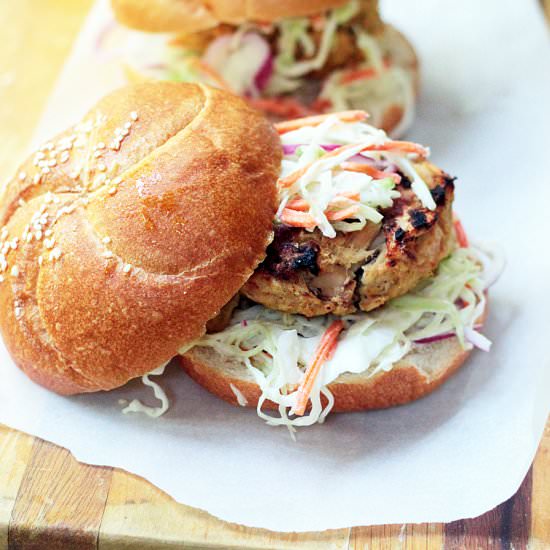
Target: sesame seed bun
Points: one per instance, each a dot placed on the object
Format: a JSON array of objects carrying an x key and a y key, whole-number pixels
[
  {"x": 128, "y": 232},
  {"x": 193, "y": 15}
]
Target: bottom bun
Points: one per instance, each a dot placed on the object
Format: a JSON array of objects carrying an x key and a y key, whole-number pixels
[{"x": 421, "y": 371}]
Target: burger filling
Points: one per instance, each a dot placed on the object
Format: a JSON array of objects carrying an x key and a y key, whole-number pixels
[
  {"x": 343, "y": 59},
  {"x": 367, "y": 265},
  {"x": 293, "y": 358},
  {"x": 362, "y": 219}
]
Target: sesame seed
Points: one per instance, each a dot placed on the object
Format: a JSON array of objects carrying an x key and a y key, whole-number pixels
[
  {"x": 106, "y": 240},
  {"x": 117, "y": 180},
  {"x": 56, "y": 200},
  {"x": 74, "y": 175},
  {"x": 43, "y": 209},
  {"x": 125, "y": 132},
  {"x": 48, "y": 146},
  {"x": 100, "y": 145},
  {"x": 38, "y": 235},
  {"x": 97, "y": 154},
  {"x": 28, "y": 237},
  {"x": 14, "y": 271},
  {"x": 21, "y": 202},
  {"x": 18, "y": 311},
  {"x": 101, "y": 167},
  {"x": 46, "y": 170},
  {"x": 37, "y": 178},
  {"x": 112, "y": 190},
  {"x": 107, "y": 254},
  {"x": 48, "y": 197},
  {"x": 22, "y": 175},
  {"x": 133, "y": 115},
  {"x": 115, "y": 146},
  {"x": 49, "y": 243},
  {"x": 48, "y": 233},
  {"x": 127, "y": 268},
  {"x": 52, "y": 162},
  {"x": 13, "y": 244},
  {"x": 64, "y": 157},
  {"x": 40, "y": 155},
  {"x": 40, "y": 260},
  {"x": 3, "y": 263},
  {"x": 1, "y": 278},
  {"x": 4, "y": 234},
  {"x": 127, "y": 125},
  {"x": 55, "y": 254}
]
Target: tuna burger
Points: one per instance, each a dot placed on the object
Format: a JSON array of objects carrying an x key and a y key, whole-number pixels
[
  {"x": 370, "y": 294},
  {"x": 289, "y": 58}
]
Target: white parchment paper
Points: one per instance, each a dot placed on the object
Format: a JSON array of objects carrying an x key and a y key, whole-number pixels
[{"x": 458, "y": 452}]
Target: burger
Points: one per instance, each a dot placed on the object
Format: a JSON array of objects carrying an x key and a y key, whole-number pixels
[
  {"x": 310, "y": 267},
  {"x": 289, "y": 58},
  {"x": 370, "y": 294}
]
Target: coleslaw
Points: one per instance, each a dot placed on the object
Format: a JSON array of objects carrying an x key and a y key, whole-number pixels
[
  {"x": 344, "y": 170},
  {"x": 271, "y": 61},
  {"x": 276, "y": 347}
]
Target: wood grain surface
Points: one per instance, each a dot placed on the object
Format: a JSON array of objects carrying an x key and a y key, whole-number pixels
[{"x": 48, "y": 500}]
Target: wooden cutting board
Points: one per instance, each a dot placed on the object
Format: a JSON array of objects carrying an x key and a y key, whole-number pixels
[{"x": 50, "y": 501}]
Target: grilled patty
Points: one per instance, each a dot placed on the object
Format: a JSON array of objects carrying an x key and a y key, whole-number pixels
[{"x": 310, "y": 274}]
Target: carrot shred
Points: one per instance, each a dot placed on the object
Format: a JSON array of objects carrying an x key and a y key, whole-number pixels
[
  {"x": 400, "y": 146},
  {"x": 284, "y": 107},
  {"x": 339, "y": 215},
  {"x": 358, "y": 74},
  {"x": 325, "y": 350},
  {"x": 301, "y": 205},
  {"x": 362, "y": 74},
  {"x": 295, "y": 218},
  {"x": 461, "y": 236},
  {"x": 321, "y": 105},
  {"x": 349, "y": 195},
  {"x": 294, "y": 213},
  {"x": 344, "y": 116},
  {"x": 370, "y": 170}
]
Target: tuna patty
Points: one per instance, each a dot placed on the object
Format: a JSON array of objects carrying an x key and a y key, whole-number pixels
[{"x": 310, "y": 274}]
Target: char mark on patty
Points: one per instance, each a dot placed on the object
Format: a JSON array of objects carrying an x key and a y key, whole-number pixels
[
  {"x": 439, "y": 192},
  {"x": 418, "y": 218},
  {"x": 285, "y": 257},
  {"x": 405, "y": 181}
]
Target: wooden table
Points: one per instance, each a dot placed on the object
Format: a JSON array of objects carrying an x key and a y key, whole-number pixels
[{"x": 49, "y": 501}]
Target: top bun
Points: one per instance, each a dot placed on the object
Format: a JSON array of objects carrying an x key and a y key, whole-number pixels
[
  {"x": 188, "y": 16},
  {"x": 125, "y": 234}
]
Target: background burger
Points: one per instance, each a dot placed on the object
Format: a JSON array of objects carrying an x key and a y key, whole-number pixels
[{"x": 289, "y": 58}]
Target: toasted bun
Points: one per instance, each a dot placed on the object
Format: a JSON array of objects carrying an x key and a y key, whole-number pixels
[
  {"x": 164, "y": 15},
  {"x": 193, "y": 15},
  {"x": 125, "y": 234},
  {"x": 420, "y": 372}
]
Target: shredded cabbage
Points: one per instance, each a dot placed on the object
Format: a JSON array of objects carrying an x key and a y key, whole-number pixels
[
  {"x": 325, "y": 183},
  {"x": 276, "y": 347},
  {"x": 136, "y": 406}
]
